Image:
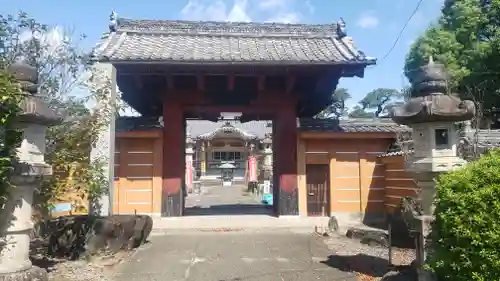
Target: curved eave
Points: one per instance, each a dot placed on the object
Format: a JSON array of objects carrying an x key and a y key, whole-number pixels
[
  {"x": 363, "y": 63},
  {"x": 212, "y": 135}
]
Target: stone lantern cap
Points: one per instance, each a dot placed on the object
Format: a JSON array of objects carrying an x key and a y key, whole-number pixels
[
  {"x": 429, "y": 101},
  {"x": 268, "y": 139},
  {"x": 35, "y": 110},
  {"x": 189, "y": 139}
]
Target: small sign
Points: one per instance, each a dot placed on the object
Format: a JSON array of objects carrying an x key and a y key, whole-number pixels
[
  {"x": 267, "y": 186},
  {"x": 62, "y": 207}
]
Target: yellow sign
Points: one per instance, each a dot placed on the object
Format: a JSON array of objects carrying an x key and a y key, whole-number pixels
[{"x": 203, "y": 166}]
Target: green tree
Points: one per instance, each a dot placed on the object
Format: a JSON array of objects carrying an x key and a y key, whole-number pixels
[
  {"x": 62, "y": 65},
  {"x": 338, "y": 107},
  {"x": 10, "y": 136},
  {"x": 54, "y": 51},
  {"x": 380, "y": 100},
  {"x": 466, "y": 39},
  {"x": 359, "y": 112}
]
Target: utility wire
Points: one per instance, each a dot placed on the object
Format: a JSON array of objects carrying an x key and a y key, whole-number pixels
[{"x": 400, "y": 32}]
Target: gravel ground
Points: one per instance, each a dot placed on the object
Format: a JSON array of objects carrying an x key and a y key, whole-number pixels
[
  {"x": 77, "y": 271},
  {"x": 99, "y": 269},
  {"x": 369, "y": 263}
]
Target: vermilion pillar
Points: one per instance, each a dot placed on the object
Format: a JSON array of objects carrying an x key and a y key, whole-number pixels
[
  {"x": 173, "y": 159},
  {"x": 285, "y": 146}
]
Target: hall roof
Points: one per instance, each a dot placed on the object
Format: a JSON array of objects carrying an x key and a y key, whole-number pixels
[
  {"x": 228, "y": 128},
  {"x": 176, "y": 41}
]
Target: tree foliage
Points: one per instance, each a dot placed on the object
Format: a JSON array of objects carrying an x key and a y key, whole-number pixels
[
  {"x": 465, "y": 236},
  {"x": 380, "y": 100},
  {"x": 359, "y": 112},
  {"x": 10, "y": 137},
  {"x": 63, "y": 70},
  {"x": 338, "y": 107},
  {"x": 376, "y": 103},
  {"x": 467, "y": 40}
]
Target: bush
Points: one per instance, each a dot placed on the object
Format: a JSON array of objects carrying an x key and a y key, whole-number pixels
[{"x": 465, "y": 236}]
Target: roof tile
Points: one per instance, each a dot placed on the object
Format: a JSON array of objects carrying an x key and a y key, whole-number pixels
[
  {"x": 190, "y": 41},
  {"x": 196, "y": 128}
]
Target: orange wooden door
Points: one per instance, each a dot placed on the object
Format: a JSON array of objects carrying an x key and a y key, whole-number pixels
[{"x": 318, "y": 189}]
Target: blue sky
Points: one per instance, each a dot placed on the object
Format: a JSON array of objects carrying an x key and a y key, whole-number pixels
[{"x": 373, "y": 24}]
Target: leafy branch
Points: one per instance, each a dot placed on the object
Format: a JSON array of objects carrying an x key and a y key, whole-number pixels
[{"x": 10, "y": 136}]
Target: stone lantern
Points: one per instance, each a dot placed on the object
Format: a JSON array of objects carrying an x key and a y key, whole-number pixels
[
  {"x": 189, "y": 176},
  {"x": 432, "y": 114},
  {"x": 267, "y": 152},
  {"x": 16, "y": 223}
]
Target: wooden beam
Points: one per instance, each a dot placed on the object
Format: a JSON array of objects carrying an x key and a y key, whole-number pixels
[
  {"x": 230, "y": 82},
  {"x": 200, "y": 82},
  {"x": 140, "y": 134},
  {"x": 290, "y": 83},
  {"x": 346, "y": 135},
  {"x": 170, "y": 82},
  {"x": 261, "y": 83},
  {"x": 138, "y": 81}
]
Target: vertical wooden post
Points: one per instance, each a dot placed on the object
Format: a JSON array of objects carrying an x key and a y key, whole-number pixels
[
  {"x": 286, "y": 154},
  {"x": 173, "y": 159},
  {"x": 364, "y": 184},
  {"x": 301, "y": 176}
]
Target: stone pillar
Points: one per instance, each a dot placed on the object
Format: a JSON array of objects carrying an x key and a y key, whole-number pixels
[
  {"x": 432, "y": 114},
  {"x": 15, "y": 220},
  {"x": 173, "y": 164},
  {"x": 285, "y": 134},
  {"x": 104, "y": 149}
]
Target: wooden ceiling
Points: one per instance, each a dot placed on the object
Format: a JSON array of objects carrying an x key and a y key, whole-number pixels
[{"x": 145, "y": 90}]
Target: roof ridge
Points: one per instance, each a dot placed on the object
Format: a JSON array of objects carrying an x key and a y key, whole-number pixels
[
  {"x": 333, "y": 24},
  {"x": 234, "y": 34},
  {"x": 262, "y": 28}
]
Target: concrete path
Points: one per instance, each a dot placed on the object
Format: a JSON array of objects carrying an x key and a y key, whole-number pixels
[
  {"x": 232, "y": 256},
  {"x": 216, "y": 200},
  {"x": 230, "y": 207}
]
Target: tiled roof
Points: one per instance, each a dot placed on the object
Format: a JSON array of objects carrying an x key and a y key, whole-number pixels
[
  {"x": 352, "y": 125},
  {"x": 486, "y": 139},
  {"x": 196, "y": 128},
  {"x": 133, "y": 123},
  {"x": 395, "y": 153},
  {"x": 225, "y": 42}
]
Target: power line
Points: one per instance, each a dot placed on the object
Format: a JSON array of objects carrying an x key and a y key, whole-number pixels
[{"x": 401, "y": 32}]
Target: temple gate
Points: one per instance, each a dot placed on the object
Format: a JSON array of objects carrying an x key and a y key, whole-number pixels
[{"x": 182, "y": 70}]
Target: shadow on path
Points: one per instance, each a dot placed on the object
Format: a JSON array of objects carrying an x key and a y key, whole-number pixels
[
  {"x": 230, "y": 209},
  {"x": 369, "y": 265}
]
